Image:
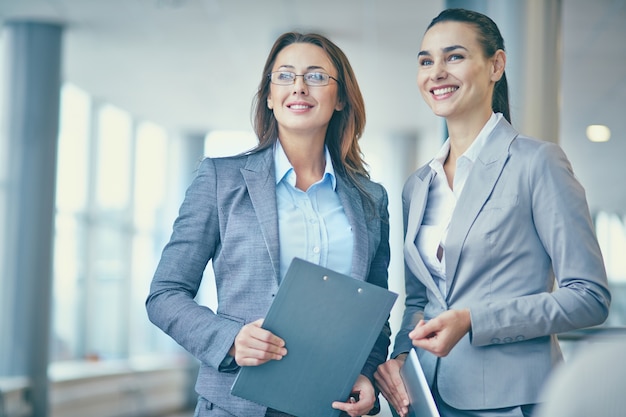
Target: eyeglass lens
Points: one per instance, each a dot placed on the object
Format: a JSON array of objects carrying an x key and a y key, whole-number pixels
[{"x": 310, "y": 78}]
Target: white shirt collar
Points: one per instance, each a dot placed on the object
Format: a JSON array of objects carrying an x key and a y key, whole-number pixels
[
  {"x": 479, "y": 143},
  {"x": 474, "y": 150},
  {"x": 465, "y": 162}
]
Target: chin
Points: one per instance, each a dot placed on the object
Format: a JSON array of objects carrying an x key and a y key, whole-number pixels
[{"x": 441, "y": 112}]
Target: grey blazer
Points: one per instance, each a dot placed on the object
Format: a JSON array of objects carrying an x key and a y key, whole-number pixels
[
  {"x": 229, "y": 216},
  {"x": 521, "y": 220}
]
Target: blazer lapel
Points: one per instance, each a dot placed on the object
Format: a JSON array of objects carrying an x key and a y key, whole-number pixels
[
  {"x": 353, "y": 207},
  {"x": 261, "y": 182},
  {"x": 415, "y": 215},
  {"x": 480, "y": 183}
]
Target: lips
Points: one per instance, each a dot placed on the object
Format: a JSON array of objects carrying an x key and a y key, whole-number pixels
[
  {"x": 299, "y": 106},
  {"x": 440, "y": 92}
]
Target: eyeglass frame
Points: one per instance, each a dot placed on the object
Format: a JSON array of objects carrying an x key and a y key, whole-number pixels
[{"x": 269, "y": 76}]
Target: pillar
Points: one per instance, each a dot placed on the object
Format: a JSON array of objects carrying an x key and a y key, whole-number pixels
[{"x": 31, "y": 94}]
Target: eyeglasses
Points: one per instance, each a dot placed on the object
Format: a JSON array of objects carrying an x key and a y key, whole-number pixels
[{"x": 314, "y": 79}]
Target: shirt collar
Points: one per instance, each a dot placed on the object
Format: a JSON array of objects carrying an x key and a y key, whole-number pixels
[
  {"x": 474, "y": 150},
  {"x": 479, "y": 143},
  {"x": 441, "y": 156},
  {"x": 283, "y": 167}
]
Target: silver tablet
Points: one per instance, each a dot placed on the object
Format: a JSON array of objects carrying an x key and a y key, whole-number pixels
[{"x": 420, "y": 396}]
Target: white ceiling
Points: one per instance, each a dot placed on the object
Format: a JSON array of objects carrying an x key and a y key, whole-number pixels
[{"x": 194, "y": 65}]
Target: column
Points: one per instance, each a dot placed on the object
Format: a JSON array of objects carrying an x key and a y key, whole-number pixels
[
  {"x": 31, "y": 93},
  {"x": 532, "y": 35}
]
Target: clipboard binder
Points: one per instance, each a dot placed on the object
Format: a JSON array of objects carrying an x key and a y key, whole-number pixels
[{"x": 330, "y": 323}]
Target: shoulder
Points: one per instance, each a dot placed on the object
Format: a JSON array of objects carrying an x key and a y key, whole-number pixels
[
  {"x": 521, "y": 144},
  {"x": 505, "y": 141},
  {"x": 376, "y": 190},
  {"x": 254, "y": 160},
  {"x": 539, "y": 153},
  {"x": 543, "y": 165},
  {"x": 531, "y": 145},
  {"x": 373, "y": 187}
]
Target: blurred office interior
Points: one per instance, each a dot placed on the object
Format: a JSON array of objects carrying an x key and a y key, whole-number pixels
[{"x": 108, "y": 106}]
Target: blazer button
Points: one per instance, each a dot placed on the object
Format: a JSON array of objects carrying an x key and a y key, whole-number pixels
[
  {"x": 508, "y": 339},
  {"x": 495, "y": 340},
  {"x": 519, "y": 338}
]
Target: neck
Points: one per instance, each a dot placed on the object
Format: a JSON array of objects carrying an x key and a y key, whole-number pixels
[
  {"x": 463, "y": 132},
  {"x": 308, "y": 161}
]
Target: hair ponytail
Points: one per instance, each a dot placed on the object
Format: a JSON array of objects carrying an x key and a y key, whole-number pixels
[{"x": 500, "y": 100}]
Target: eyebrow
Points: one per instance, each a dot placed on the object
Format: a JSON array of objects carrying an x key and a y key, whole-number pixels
[
  {"x": 309, "y": 68},
  {"x": 444, "y": 50}
]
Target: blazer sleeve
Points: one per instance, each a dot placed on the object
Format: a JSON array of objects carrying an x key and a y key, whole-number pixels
[
  {"x": 378, "y": 275},
  {"x": 416, "y": 294},
  {"x": 563, "y": 223},
  {"x": 170, "y": 303}
]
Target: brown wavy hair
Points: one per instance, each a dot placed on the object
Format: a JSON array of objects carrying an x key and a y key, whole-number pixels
[{"x": 345, "y": 127}]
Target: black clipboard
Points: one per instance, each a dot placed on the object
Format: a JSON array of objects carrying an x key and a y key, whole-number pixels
[{"x": 330, "y": 323}]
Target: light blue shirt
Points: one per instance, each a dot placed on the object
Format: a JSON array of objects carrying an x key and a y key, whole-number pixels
[{"x": 312, "y": 225}]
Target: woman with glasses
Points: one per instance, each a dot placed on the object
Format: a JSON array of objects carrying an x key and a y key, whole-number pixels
[
  {"x": 302, "y": 192},
  {"x": 499, "y": 249}
]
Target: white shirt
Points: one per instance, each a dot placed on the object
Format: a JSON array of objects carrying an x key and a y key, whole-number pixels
[{"x": 442, "y": 202}]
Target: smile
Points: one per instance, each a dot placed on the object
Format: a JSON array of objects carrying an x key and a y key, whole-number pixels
[
  {"x": 444, "y": 90},
  {"x": 299, "y": 107}
]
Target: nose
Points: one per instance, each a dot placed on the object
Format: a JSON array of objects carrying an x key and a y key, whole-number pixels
[
  {"x": 438, "y": 70},
  {"x": 299, "y": 86}
]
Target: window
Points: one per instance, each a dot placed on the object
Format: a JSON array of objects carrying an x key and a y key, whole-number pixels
[
  {"x": 227, "y": 142},
  {"x": 611, "y": 232},
  {"x": 150, "y": 190},
  {"x": 70, "y": 223},
  {"x": 109, "y": 231}
]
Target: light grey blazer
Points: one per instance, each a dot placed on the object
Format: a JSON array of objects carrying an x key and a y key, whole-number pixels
[
  {"x": 521, "y": 220},
  {"x": 229, "y": 216}
]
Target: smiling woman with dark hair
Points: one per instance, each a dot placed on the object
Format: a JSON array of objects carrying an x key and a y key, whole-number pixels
[{"x": 500, "y": 250}]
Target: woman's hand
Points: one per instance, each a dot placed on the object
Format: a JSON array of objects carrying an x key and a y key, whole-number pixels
[
  {"x": 390, "y": 384},
  {"x": 441, "y": 334},
  {"x": 361, "y": 400},
  {"x": 254, "y": 345}
]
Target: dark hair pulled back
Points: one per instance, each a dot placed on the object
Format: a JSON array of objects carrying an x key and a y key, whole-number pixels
[{"x": 491, "y": 40}]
